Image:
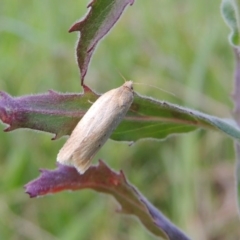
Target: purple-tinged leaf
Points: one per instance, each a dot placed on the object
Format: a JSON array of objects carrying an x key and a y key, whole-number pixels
[
  {"x": 147, "y": 118},
  {"x": 99, "y": 20},
  {"x": 52, "y": 112},
  {"x": 236, "y": 93},
  {"x": 102, "y": 179},
  {"x": 236, "y": 112}
]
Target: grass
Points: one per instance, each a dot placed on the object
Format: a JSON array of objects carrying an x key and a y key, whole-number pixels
[{"x": 179, "y": 46}]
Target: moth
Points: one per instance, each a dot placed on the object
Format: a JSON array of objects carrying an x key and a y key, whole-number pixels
[{"x": 95, "y": 127}]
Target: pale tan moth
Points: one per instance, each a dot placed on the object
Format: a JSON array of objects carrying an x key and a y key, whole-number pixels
[{"x": 96, "y": 126}]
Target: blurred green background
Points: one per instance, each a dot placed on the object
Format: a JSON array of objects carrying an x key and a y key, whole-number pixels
[{"x": 180, "y": 46}]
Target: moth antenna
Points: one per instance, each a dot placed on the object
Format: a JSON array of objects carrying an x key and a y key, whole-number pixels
[
  {"x": 161, "y": 89},
  {"x": 121, "y": 75},
  {"x": 137, "y": 83}
]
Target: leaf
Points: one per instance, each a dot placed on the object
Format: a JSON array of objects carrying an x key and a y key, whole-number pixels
[
  {"x": 102, "y": 179},
  {"x": 236, "y": 113},
  {"x": 99, "y": 20},
  {"x": 52, "y": 112},
  {"x": 150, "y": 118},
  {"x": 147, "y": 118},
  {"x": 237, "y": 150},
  {"x": 230, "y": 13}
]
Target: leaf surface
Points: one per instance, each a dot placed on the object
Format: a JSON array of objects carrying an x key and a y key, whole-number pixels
[
  {"x": 99, "y": 20},
  {"x": 102, "y": 179},
  {"x": 231, "y": 12},
  {"x": 236, "y": 113},
  {"x": 52, "y": 112},
  {"x": 147, "y": 118}
]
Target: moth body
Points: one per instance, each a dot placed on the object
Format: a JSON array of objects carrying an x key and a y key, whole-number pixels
[{"x": 95, "y": 127}]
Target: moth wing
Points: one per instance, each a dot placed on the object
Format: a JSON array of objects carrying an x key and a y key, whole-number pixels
[
  {"x": 81, "y": 163},
  {"x": 95, "y": 128},
  {"x": 81, "y": 146},
  {"x": 82, "y": 155}
]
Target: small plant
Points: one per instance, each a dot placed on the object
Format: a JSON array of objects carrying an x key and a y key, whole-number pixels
[{"x": 59, "y": 113}]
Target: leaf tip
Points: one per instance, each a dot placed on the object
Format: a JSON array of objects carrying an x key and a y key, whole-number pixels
[
  {"x": 131, "y": 2},
  {"x": 75, "y": 27},
  {"x": 86, "y": 89},
  {"x": 30, "y": 194},
  {"x": 90, "y": 4},
  {"x": 52, "y": 92},
  {"x": 9, "y": 128},
  {"x": 55, "y": 137},
  {"x": 29, "y": 191}
]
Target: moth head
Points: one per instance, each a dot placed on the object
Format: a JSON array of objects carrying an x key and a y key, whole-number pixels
[{"x": 128, "y": 84}]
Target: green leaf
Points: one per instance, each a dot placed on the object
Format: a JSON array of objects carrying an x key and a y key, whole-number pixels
[
  {"x": 147, "y": 118},
  {"x": 150, "y": 118},
  {"x": 230, "y": 13},
  {"x": 99, "y": 20}
]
